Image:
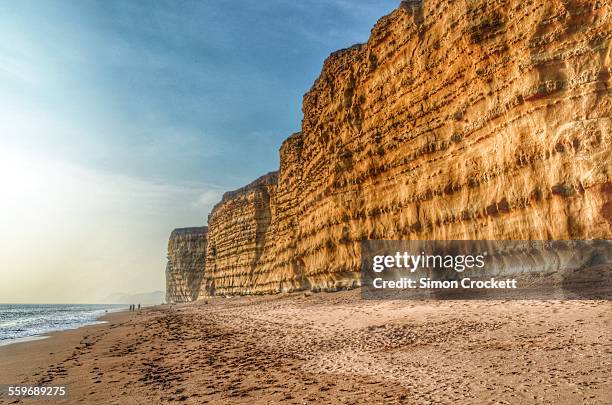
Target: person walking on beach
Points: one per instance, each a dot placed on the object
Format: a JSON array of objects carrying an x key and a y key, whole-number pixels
[{"x": 139, "y": 307}]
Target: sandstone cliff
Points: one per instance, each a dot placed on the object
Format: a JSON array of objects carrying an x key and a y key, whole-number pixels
[
  {"x": 186, "y": 263},
  {"x": 238, "y": 231},
  {"x": 456, "y": 120}
]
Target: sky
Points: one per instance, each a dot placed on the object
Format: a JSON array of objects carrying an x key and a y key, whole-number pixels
[{"x": 122, "y": 120}]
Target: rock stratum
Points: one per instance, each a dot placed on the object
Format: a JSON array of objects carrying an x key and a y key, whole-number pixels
[
  {"x": 456, "y": 120},
  {"x": 186, "y": 263}
]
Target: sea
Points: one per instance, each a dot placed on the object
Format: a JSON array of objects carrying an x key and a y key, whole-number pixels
[{"x": 22, "y": 322}]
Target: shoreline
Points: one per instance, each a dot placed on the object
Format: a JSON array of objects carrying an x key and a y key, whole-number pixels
[
  {"x": 329, "y": 347},
  {"x": 21, "y": 357},
  {"x": 30, "y": 338},
  {"x": 97, "y": 321}
]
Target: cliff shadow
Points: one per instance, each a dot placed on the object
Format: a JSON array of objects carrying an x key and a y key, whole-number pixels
[{"x": 263, "y": 218}]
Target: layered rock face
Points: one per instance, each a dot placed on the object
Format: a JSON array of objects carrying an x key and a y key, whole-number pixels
[
  {"x": 186, "y": 263},
  {"x": 238, "y": 231},
  {"x": 456, "y": 120}
]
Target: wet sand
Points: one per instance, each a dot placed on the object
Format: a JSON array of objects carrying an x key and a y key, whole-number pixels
[{"x": 330, "y": 348}]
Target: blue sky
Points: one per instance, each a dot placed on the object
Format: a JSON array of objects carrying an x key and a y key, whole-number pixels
[{"x": 159, "y": 106}]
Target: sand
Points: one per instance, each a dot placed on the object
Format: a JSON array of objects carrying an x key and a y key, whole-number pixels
[{"x": 330, "y": 348}]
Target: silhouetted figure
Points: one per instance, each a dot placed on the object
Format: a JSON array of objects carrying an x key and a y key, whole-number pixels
[{"x": 139, "y": 307}]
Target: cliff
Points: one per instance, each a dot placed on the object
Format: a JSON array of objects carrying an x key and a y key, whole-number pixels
[
  {"x": 186, "y": 263},
  {"x": 238, "y": 231},
  {"x": 456, "y": 120}
]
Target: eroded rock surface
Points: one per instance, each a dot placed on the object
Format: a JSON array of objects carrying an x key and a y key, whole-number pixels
[
  {"x": 456, "y": 120},
  {"x": 238, "y": 231},
  {"x": 186, "y": 262}
]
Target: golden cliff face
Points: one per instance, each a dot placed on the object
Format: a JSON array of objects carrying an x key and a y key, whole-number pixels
[
  {"x": 186, "y": 262},
  {"x": 238, "y": 228},
  {"x": 456, "y": 120}
]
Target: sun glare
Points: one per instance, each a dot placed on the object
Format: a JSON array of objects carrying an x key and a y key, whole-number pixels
[{"x": 32, "y": 187}]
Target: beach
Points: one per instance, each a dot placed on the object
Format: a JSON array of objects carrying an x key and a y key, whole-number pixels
[{"x": 329, "y": 348}]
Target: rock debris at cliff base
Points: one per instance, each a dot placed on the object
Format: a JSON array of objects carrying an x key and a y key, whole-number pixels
[{"x": 456, "y": 120}]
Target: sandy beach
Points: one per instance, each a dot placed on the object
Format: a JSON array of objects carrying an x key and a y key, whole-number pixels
[{"x": 330, "y": 348}]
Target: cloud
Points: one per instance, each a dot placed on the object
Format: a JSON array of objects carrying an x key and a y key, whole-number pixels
[{"x": 209, "y": 198}]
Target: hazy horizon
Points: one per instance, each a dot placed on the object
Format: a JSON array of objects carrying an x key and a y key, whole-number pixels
[{"x": 121, "y": 121}]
